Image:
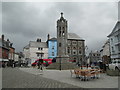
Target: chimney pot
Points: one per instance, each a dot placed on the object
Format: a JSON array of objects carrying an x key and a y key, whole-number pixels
[{"x": 2, "y": 37}]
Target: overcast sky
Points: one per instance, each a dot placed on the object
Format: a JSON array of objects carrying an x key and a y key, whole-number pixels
[{"x": 26, "y": 21}]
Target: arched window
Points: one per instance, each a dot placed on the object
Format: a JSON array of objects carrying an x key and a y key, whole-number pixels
[
  {"x": 63, "y": 33},
  {"x": 74, "y": 52},
  {"x": 68, "y": 49},
  {"x": 59, "y": 44},
  {"x": 60, "y": 34},
  {"x": 74, "y": 47},
  {"x": 79, "y": 52},
  {"x": 63, "y": 28},
  {"x": 59, "y": 28}
]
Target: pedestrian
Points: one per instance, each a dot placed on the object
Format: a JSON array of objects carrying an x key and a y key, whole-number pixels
[
  {"x": 3, "y": 65},
  {"x": 39, "y": 64},
  {"x": 13, "y": 64},
  {"x": 40, "y": 61},
  {"x": 87, "y": 65}
]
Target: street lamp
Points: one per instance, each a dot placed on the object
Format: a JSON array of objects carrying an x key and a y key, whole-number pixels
[
  {"x": 60, "y": 62},
  {"x": 86, "y": 48}
]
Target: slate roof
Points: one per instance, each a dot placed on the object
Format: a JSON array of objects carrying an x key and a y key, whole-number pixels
[
  {"x": 74, "y": 36},
  {"x": 115, "y": 29},
  {"x": 38, "y": 44},
  {"x": 26, "y": 47},
  {"x": 53, "y": 39}
]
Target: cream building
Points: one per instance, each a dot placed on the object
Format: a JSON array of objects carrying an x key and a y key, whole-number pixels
[
  {"x": 105, "y": 52},
  {"x": 36, "y": 50}
]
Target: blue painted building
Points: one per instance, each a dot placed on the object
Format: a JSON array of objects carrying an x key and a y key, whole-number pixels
[{"x": 52, "y": 48}]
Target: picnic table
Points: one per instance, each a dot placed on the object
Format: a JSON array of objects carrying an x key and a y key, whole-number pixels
[{"x": 86, "y": 74}]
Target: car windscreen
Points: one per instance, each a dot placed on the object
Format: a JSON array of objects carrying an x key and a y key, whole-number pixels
[
  {"x": 118, "y": 61},
  {"x": 114, "y": 62}
]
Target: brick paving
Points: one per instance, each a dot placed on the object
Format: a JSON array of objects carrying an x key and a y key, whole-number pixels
[
  {"x": 64, "y": 76},
  {"x": 15, "y": 78}
]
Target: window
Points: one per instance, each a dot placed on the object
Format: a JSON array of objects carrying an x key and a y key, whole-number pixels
[
  {"x": 118, "y": 61},
  {"x": 63, "y": 28},
  {"x": 63, "y": 33},
  {"x": 119, "y": 47},
  {"x": 59, "y": 28},
  {"x": 118, "y": 37},
  {"x": 69, "y": 42},
  {"x": 60, "y": 34},
  {"x": 79, "y": 52},
  {"x": 41, "y": 48},
  {"x": 52, "y": 53},
  {"x": 112, "y": 49},
  {"x": 74, "y": 52},
  {"x": 114, "y": 61},
  {"x": 111, "y": 40},
  {"x": 79, "y": 43},
  {"x": 74, "y": 42},
  {"x": 38, "y": 54},
  {"x": 98, "y": 54},
  {"x": 38, "y": 48},
  {"x": 68, "y": 49},
  {"x": 59, "y": 44},
  {"x": 52, "y": 47},
  {"x": 74, "y": 47},
  {"x": 42, "y": 55}
]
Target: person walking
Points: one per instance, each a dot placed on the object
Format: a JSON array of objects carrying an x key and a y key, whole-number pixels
[
  {"x": 39, "y": 64},
  {"x": 40, "y": 61}
]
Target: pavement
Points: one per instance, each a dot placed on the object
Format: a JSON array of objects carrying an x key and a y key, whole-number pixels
[
  {"x": 19, "y": 78},
  {"x": 64, "y": 76}
]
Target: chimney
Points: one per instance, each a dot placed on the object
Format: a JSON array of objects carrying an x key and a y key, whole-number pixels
[
  {"x": 11, "y": 44},
  {"x": 48, "y": 37},
  {"x": 39, "y": 40},
  {"x": 2, "y": 37},
  {"x": 8, "y": 40}
]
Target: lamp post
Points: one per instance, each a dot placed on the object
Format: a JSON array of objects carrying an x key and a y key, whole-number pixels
[
  {"x": 60, "y": 62},
  {"x": 86, "y": 48}
]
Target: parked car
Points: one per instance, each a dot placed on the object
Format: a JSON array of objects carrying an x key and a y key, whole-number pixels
[{"x": 115, "y": 65}]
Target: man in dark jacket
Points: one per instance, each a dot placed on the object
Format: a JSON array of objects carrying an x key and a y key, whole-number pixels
[{"x": 39, "y": 64}]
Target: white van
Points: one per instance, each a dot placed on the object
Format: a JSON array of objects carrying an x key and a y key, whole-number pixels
[{"x": 115, "y": 65}]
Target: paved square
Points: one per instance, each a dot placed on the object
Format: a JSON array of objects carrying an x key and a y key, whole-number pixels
[{"x": 64, "y": 76}]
